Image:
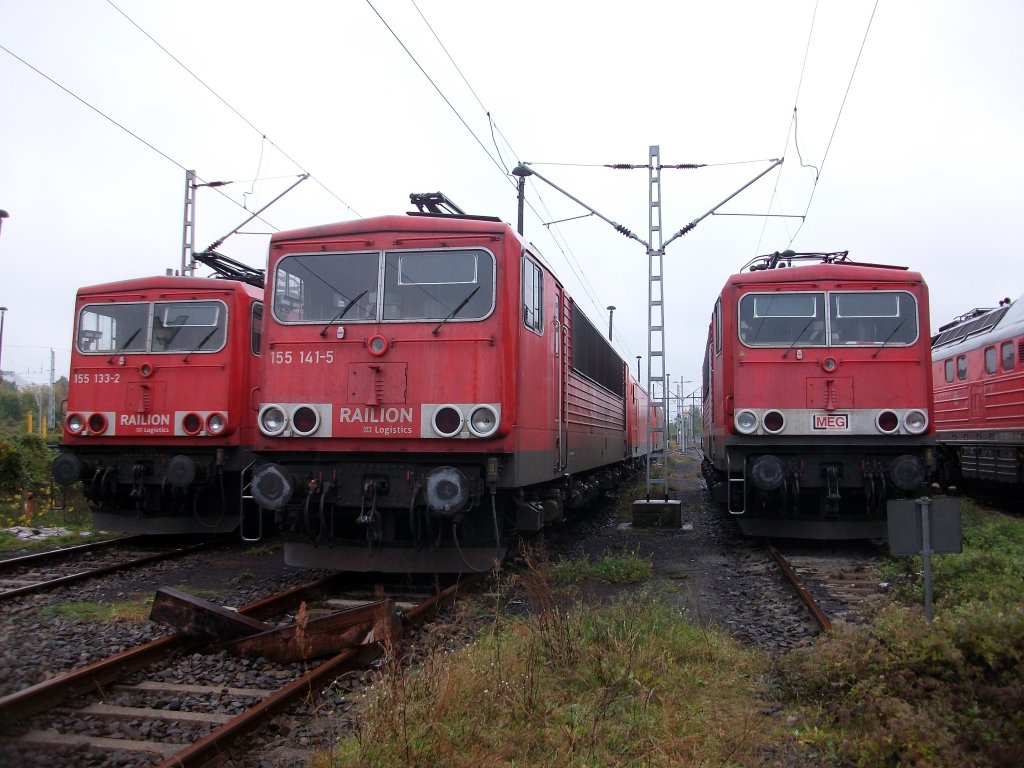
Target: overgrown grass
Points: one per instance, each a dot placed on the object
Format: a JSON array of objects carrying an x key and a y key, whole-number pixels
[
  {"x": 135, "y": 611},
  {"x": 626, "y": 568},
  {"x": 902, "y": 692},
  {"x": 631, "y": 683}
]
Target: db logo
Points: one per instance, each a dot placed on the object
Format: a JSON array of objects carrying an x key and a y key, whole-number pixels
[{"x": 831, "y": 421}]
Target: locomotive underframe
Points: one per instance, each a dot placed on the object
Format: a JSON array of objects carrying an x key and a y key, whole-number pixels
[
  {"x": 142, "y": 492},
  {"x": 373, "y": 504},
  {"x": 823, "y": 490},
  {"x": 983, "y": 455}
]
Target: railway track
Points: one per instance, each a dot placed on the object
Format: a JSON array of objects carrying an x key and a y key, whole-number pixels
[
  {"x": 135, "y": 694},
  {"x": 831, "y": 585},
  {"x": 43, "y": 571}
]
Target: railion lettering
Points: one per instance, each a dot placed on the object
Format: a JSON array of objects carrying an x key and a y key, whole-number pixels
[
  {"x": 375, "y": 415},
  {"x": 145, "y": 420}
]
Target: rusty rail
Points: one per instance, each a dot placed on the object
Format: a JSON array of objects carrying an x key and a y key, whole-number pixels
[
  {"x": 817, "y": 613},
  {"x": 36, "y": 558}
]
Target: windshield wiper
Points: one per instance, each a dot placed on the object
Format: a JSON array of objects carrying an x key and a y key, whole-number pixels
[
  {"x": 200, "y": 345},
  {"x": 889, "y": 337},
  {"x": 344, "y": 311},
  {"x": 455, "y": 311},
  {"x": 798, "y": 337},
  {"x": 122, "y": 348}
]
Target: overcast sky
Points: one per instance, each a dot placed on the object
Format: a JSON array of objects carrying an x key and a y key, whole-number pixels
[{"x": 922, "y": 166}]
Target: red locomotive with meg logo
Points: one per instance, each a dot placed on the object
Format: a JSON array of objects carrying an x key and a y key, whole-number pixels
[{"x": 817, "y": 395}]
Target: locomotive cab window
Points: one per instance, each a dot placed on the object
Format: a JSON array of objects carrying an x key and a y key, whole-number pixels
[
  {"x": 113, "y": 328},
  {"x": 718, "y": 326},
  {"x": 1007, "y": 355},
  {"x": 886, "y": 318},
  {"x": 533, "y": 296},
  {"x": 256, "y": 329},
  {"x": 326, "y": 287},
  {"x": 782, "y": 319},
  {"x": 188, "y": 326},
  {"x": 451, "y": 284},
  {"x": 961, "y": 367},
  {"x": 949, "y": 371}
]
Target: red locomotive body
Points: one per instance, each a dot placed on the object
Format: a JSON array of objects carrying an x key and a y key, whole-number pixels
[
  {"x": 978, "y": 368},
  {"x": 429, "y": 389},
  {"x": 159, "y": 415},
  {"x": 817, "y": 396}
]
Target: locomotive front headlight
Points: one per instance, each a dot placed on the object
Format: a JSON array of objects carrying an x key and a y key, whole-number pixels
[
  {"x": 746, "y": 422},
  {"x": 447, "y": 421},
  {"x": 916, "y": 421},
  {"x": 97, "y": 424},
  {"x": 483, "y": 421},
  {"x": 75, "y": 423},
  {"x": 305, "y": 420},
  {"x": 272, "y": 420},
  {"x": 773, "y": 422},
  {"x": 192, "y": 423},
  {"x": 887, "y": 422},
  {"x": 216, "y": 423}
]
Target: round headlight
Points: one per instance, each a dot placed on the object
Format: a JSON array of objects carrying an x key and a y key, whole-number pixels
[
  {"x": 75, "y": 423},
  {"x": 774, "y": 422},
  {"x": 916, "y": 421},
  {"x": 447, "y": 421},
  {"x": 745, "y": 421},
  {"x": 216, "y": 423},
  {"x": 272, "y": 420},
  {"x": 378, "y": 345},
  {"x": 97, "y": 423},
  {"x": 305, "y": 420},
  {"x": 483, "y": 421},
  {"x": 887, "y": 422},
  {"x": 192, "y": 424}
]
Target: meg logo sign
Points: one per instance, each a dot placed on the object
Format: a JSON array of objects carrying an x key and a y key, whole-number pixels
[{"x": 830, "y": 422}]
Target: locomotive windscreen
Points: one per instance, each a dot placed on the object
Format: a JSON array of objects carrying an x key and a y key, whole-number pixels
[
  {"x": 429, "y": 285},
  {"x": 833, "y": 318},
  {"x": 593, "y": 356}
]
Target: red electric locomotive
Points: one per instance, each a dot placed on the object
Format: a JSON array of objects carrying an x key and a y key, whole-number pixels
[
  {"x": 978, "y": 368},
  {"x": 159, "y": 414},
  {"x": 429, "y": 390},
  {"x": 817, "y": 395}
]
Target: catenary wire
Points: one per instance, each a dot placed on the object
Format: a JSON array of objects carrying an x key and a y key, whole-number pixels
[
  {"x": 239, "y": 114},
  {"x": 131, "y": 133}
]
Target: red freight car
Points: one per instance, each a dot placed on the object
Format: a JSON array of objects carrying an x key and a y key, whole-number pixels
[
  {"x": 429, "y": 390},
  {"x": 978, "y": 369},
  {"x": 159, "y": 415},
  {"x": 817, "y": 396}
]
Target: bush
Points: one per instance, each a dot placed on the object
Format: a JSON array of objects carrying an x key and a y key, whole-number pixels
[{"x": 24, "y": 462}]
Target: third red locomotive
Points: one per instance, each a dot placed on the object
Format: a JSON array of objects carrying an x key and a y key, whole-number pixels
[{"x": 817, "y": 395}]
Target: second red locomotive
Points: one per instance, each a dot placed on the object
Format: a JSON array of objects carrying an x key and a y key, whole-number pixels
[
  {"x": 817, "y": 395},
  {"x": 429, "y": 389}
]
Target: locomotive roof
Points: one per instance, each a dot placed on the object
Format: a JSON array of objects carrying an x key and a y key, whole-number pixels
[
  {"x": 167, "y": 283},
  {"x": 809, "y": 273},
  {"x": 391, "y": 223},
  {"x": 979, "y": 328}
]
